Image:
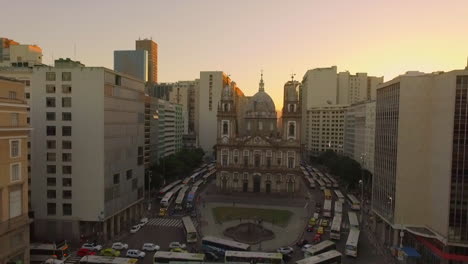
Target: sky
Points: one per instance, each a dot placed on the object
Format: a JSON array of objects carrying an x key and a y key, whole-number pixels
[{"x": 242, "y": 37}]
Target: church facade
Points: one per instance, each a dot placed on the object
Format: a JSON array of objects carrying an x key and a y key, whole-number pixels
[{"x": 255, "y": 152}]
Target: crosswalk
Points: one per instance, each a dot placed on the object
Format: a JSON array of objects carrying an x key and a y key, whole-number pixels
[
  {"x": 167, "y": 222},
  {"x": 73, "y": 259}
]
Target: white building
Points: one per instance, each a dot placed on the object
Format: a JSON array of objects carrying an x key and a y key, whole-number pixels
[
  {"x": 14, "y": 54},
  {"x": 359, "y": 133},
  {"x": 88, "y": 171}
]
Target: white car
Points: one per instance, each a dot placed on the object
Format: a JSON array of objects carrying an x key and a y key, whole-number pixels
[
  {"x": 92, "y": 246},
  {"x": 150, "y": 247},
  {"x": 306, "y": 246},
  {"x": 135, "y": 253},
  {"x": 173, "y": 245},
  {"x": 119, "y": 246},
  {"x": 143, "y": 221},
  {"x": 285, "y": 250},
  {"x": 135, "y": 229}
]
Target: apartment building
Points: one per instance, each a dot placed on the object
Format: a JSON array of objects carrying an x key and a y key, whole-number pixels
[
  {"x": 14, "y": 54},
  {"x": 359, "y": 133},
  {"x": 88, "y": 149},
  {"x": 152, "y": 48},
  {"x": 419, "y": 182},
  {"x": 14, "y": 134},
  {"x": 169, "y": 123}
]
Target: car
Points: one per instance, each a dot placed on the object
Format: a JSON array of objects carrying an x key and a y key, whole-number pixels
[
  {"x": 143, "y": 221},
  {"x": 135, "y": 229},
  {"x": 177, "y": 245},
  {"x": 162, "y": 211},
  {"x": 317, "y": 238},
  {"x": 320, "y": 230},
  {"x": 306, "y": 246},
  {"x": 285, "y": 250},
  {"x": 210, "y": 256},
  {"x": 85, "y": 252},
  {"x": 310, "y": 228},
  {"x": 150, "y": 247},
  {"x": 302, "y": 242},
  {"x": 119, "y": 246},
  {"x": 312, "y": 221},
  {"x": 179, "y": 250},
  {"x": 324, "y": 222},
  {"x": 135, "y": 253},
  {"x": 91, "y": 246},
  {"x": 109, "y": 252}
]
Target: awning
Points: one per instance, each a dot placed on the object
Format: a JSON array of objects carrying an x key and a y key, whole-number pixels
[{"x": 410, "y": 252}]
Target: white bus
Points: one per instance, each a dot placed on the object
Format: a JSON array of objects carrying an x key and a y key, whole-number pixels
[
  {"x": 253, "y": 257},
  {"x": 321, "y": 184},
  {"x": 198, "y": 183},
  {"x": 338, "y": 208},
  {"x": 354, "y": 202},
  {"x": 335, "y": 232},
  {"x": 339, "y": 196},
  {"x": 167, "y": 256},
  {"x": 167, "y": 188},
  {"x": 187, "y": 180},
  {"x": 91, "y": 259},
  {"x": 319, "y": 248},
  {"x": 177, "y": 188},
  {"x": 327, "y": 204},
  {"x": 180, "y": 198},
  {"x": 327, "y": 181},
  {"x": 40, "y": 252},
  {"x": 311, "y": 182},
  {"x": 352, "y": 242},
  {"x": 333, "y": 181},
  {"x": 353, "y": 220},
  {"x": 167, "y": 199},
  {"x": 329, "y": 257},
  {"x": 190, "y": 230},
  {"x": 219, "y": 246},
  {"x": 206, "y": 176}
]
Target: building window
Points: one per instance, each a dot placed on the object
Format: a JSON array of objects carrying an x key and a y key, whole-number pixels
[
  {"x": 116, "y": 178},
  {"x": 290, "y": 162},
  {"x": 129, "y": 174},
  {"x": 51, "y": 156},
  {"x": 50, "y": 88},
  {"x": 292, "y": 130},
  {"x": 224, "y": 160},
  {"x": 66, "y": 102},
  {"x": 51, "y": 169},
  {"x": 51, "y": 209},
  {"x": 67, "y": 157},
  {"x": 12, "y": 95},
  {"x": 50, "y": 116},
  {"x": 257, "y": 160},
  {"x": 14, "y": 148},
  {"x": 28, "y": 95},
  {"x": 134, "y": 184},
  {"x": 66, "y": 76},
  {"x": 268, "y": 162},
  {"x": 67, "y": 209},
  {"x": 66, "y": 144},
  {"x": 51, "y": 143},
  {"x": 66, "y": 182},
  {"x": 50, "y": 76},
  {"x": 51, "y": 181},
  {"x": 66, "y": 116},
  {"x": 67, "y": 169},
  {"x": 225, "y": 127},
  {"x": 66, "y": 89},
  {"x": 51, "y": 194},
  {"x": 260, "y": 125},
  {"x": 15, "y": 172},
  {"x": 50, "y": 101},
  {"x": 67, "y": 194},
  {"x": 246, "y": 161},
  {"x": 15, "y": 203},
  {"x": 14, "y": 117},
  {"x": 66, "y": 131},
  {"x": 50, "y": 130}
]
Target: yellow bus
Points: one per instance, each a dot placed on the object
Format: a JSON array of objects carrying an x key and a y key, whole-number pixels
[{"x": 328, "y": 194}]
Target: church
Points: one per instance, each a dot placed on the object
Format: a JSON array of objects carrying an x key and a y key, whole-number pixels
[{"x": 255, "y": 152}]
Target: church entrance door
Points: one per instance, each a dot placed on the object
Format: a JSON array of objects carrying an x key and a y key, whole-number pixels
[
  {"x": 268, "y": 187},
  {"x": 256, "y": 187},
  {"x": 245, "y": 186}
]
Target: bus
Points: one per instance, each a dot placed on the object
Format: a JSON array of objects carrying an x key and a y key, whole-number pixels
[
  {"x": 333, "y": 181},
  {"x": 351, "y": 247},
  {"x": 190, "y": 230},
  {"x": 354, "y": 202},
  {"x": 167, "y": 199},
  {"x": 253, "y": 257},
  {"x": 198, "y": 183},
  {"x": 219, "y": 245},
  {"x": 328, "y": 194},
  {"x": 353, "y": 220},
  {"x": 329, "y": 257},
  {"x": 41, "y": 252},
  {"x": 92, "y": 259},
  {"x": 191, "y": 197},
  {"x": 319, "y": 248},
  {"x": 339, "y": 196},
  {"x": 195, "y": 176},
  {"x": 335, "y": 232},
  {"x": 327, "y": 208},
  {"x": 327, "y": 181},
  {"x": 180, "y": 198},
  {"x": 177, "y": 188},
  {"x": 168, "y": 256},
  {"x": 338, "y": 208},
  {"x": 206, "y": 176},
  {"x": 187, "y": 180},
  {"x": 311, "y": 182},
  {"x": 321, "y": 184},
  {"x": 167, "y": 188}
]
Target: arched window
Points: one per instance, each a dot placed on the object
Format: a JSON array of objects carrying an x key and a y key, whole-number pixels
[
  {"x": 291, "y": 108},
  {"x": 225, "y": 128},
  {"x": 226, "y": 107},
  {"x": 291, "y": 130}
]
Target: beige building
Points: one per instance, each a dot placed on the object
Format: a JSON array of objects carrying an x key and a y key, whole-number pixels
[
  {"x": 253, "y": 153},
  {"x": 420, "y": 182},
  {"x": 88, "y": 149},
  {"x": 152, "y": 48},
  {"x": 324, "y": 129},
  {"x": 14, "y": 133},
  {"x": 14, "y": 54}
]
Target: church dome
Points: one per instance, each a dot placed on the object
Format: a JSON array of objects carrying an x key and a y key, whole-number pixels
[{"x": 261, "y": 105}]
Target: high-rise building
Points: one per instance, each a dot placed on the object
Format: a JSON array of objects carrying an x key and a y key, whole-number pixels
[
  {"x": 356, "y": 88},
  {"x": 88, "y": 149},
  {"x": 152, "y": 48},
  {"x": 359, "y": 133},
  {"x": 14, "y": 133},
  {"x": 132, "y": 62},
  {"x": 419, "y": 184},
  {"x": 15, "y": 54}
]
